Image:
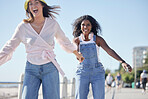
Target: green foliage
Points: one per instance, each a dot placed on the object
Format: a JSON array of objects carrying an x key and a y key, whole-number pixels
[
  {"x": 120, "y": 67},
  {"x": 126, "y": 76},
  {"x": 129, "y": 77}
]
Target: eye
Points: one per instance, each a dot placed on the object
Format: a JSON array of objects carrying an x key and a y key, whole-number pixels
[
  {"x": 36, "y": 2},
  {"x": 82, "y": 24},
  {"x": 30, "y": 3},
  {"x": 88, "y": 24}
]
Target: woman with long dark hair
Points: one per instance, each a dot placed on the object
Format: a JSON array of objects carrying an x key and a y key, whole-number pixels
[{"x": 37, "y": 34}]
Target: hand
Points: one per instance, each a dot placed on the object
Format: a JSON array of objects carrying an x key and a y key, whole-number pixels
[
  {"x": 126, "y": 66},
  {"x": 80, "y": 57}
]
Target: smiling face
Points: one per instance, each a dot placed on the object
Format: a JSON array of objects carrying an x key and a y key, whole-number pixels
[
  {"x": 86, "y": 27},
  {"x": 36, "y": 8}
]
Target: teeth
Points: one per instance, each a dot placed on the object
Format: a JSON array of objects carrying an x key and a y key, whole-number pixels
[{"x": 35, "y": 9}]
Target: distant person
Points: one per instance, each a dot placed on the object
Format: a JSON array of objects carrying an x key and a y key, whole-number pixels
[
  {"x": 91, "y": 71},
  {"x": 143, "y": 80},
  {"x": 118, "y": 81},
  {"x": 37, "y": 34},
  {"x": 109, "y": 80}
]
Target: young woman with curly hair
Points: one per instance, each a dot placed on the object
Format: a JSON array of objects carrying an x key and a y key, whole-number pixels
[{"x": 86, "y": 32}]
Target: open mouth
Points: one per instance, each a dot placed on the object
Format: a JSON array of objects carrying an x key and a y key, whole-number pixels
[
  {"x": 35, "y": 10},
  {"x": 85, "y": 30}
]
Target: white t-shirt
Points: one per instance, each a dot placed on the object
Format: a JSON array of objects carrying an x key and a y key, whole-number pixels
[
  {"x": 109, "y": 79},
  {"x": 143, "y": 75}
]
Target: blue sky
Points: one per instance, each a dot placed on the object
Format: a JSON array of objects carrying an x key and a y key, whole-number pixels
[{"x": 124, "y": 26}]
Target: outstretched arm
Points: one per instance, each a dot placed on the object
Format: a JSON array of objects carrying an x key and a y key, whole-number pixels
[
  {"x": 76, "y": 41},
  {"x": 65, "y": 43},
  {"x": 7, "y": 51},
  {"x": 101, "y": 42}
]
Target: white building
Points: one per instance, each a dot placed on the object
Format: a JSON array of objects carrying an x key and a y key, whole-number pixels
[{"x": 139, "y": 54}]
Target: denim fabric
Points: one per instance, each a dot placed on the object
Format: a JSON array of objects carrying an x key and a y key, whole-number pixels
[
  {"x": 47, "y": 74},
  {"x": 90, "y": 71}
]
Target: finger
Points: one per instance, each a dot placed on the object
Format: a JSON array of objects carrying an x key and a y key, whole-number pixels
[
  {"x": 80, "y": 60},
  {"x": 130, "y": 69},
  {"x": 124, "y": 67}
]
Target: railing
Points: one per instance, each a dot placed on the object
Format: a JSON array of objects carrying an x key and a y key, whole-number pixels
[{"x": 67, "y": 88}]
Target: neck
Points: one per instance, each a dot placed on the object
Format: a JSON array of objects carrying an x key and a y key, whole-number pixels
[
  {"x": 87, "y": 37},
  {"x": 39, "y": 20}
]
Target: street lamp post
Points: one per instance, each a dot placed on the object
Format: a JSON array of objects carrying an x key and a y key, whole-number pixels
[{"x": 135, "y": 68}]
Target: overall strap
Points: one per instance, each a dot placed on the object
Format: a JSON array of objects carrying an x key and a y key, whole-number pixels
[{"x": 94, "y": 38}]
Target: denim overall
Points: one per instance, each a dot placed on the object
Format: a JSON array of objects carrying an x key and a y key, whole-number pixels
[{"x": 90, "y": 71}]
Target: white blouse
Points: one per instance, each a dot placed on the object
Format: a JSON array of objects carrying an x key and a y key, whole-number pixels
[{"x": 35, "y": 43}]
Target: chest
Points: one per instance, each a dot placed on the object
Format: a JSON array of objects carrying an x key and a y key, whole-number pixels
[
  {"x": 37, "y": 28},
  {"x": 88, "y": 49},
  {"x": 31, "y": 37}
]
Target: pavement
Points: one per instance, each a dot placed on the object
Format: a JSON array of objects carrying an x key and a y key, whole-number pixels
[
  {"x": 126, "y": 93},
  {"x": 123, "y": 93}
]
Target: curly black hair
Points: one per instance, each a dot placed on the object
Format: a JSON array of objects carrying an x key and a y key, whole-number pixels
[{"x": 96, "y": 28}]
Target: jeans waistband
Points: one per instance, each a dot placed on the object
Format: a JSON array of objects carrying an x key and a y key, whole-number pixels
[{"x": 95, "y": 65}]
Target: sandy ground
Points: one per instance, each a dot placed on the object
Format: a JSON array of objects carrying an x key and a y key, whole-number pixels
[
  {"x": 12, "y": 93},
  {"x": 128, "y": 93},
  {"x": 9, "y": 93}
]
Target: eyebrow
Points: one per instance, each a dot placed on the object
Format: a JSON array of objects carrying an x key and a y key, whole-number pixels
[
  {"x": 86, "y": 24},
  {"x": 35, "y": 0}
]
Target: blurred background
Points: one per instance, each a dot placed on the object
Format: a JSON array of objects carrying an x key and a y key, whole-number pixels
[{"x": 124, "y": 27}]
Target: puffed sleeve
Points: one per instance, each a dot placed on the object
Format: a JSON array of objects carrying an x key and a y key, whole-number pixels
[
  {"x": 62, "y": 40},
  {"x": 10, "y": 46}
]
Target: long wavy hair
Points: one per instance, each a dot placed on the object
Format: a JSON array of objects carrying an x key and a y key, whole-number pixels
[
  {"x": 48, "y": 11},
  {"x": 96, "y": 28}
]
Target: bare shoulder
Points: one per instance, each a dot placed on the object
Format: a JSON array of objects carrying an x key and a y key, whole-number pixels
[
  {"x": 99, "y": 40},
  {"x": 76, "y": 40}
]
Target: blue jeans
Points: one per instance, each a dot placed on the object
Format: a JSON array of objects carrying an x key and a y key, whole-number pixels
[
  {"x": 94, "y": 76},
  {"x": 47, "y": 74}
]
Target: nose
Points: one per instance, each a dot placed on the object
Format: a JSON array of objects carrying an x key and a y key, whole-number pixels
[
  {"x": 34, "y": 4},
  {"x": 85, "y": 26}
]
